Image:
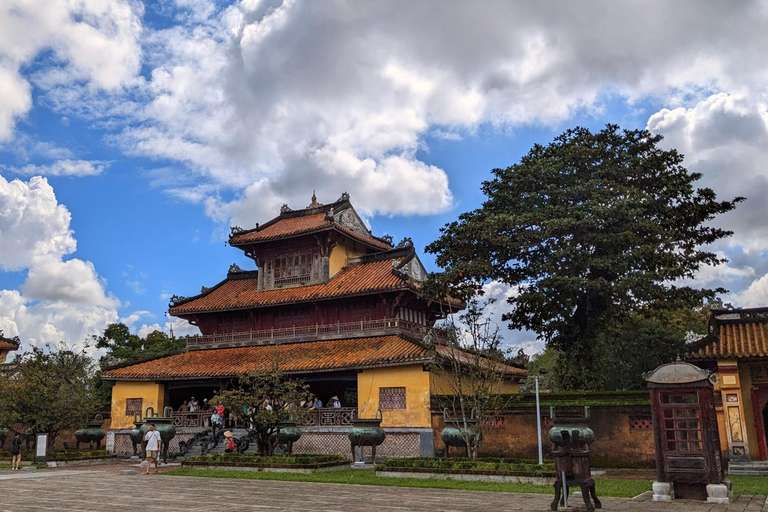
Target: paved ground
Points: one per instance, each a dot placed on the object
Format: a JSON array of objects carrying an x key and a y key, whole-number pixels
[{"x": 102, "y": 489}]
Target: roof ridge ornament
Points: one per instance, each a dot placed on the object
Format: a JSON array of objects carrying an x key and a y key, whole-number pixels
[
  {"x": 405, "y": 242},
  {"x": 176, "y": 299},
  {"x": 314, "y": 204},
  {"x": 285, "y": 208},
  {"x": 235, "y": 230},
  {"x": 234, "y": 269},
  {"x": 344, "y": 197}
]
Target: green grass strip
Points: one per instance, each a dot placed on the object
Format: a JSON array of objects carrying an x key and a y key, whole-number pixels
[{"x": 605, "y": 487}]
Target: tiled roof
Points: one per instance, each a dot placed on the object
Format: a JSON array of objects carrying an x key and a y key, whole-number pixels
[
  {"x": 315, "y": 356},
  {"x": 8, "y": 344},
  {"x": 464, "y": 357},
  {"x": 734, "y": 340},
  {"x": 301, "y": 225},
  {"x": 242, "y": 293}
]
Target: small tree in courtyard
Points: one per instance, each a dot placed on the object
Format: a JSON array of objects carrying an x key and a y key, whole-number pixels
[
  {"x": 263, "y": 401},
  {"x": 48, "y": 391},
  {"x": 471, "y": 376},
  {"x": 585, "y": 230}
]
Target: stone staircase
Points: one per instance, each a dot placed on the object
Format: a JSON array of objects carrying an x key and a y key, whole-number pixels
[
  {"x": 196, "y": 449},
  {"x": 752, "y": 468}
]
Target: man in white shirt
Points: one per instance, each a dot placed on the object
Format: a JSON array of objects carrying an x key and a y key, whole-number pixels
[{"x": 152, "y": 437}]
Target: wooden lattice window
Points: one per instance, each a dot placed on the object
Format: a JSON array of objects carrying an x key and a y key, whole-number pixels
[
  {"x": 392, "y": 398},
  {"x": 682, "y": 430},
  {"x": 640, "y": 423},
  {"x": 133, "y": 406}
]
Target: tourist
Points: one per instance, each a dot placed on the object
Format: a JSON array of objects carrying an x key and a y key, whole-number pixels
[
  {"x": 214, "y": 421},
  {"x": 206, "y": 406},
  {"x": 231, "y": 442},
  {"x": 317, "y": 404},
  {"x": 193, "y": 405},
  {"x": 184, "y": 407},
  {"x": 16, "y": 452},
  {"x": 335, "y": 403},
  {"x": 220, "y": 410},
  {"x": 152, "y": 437}
]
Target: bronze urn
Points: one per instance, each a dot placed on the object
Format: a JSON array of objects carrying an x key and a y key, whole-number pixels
[{"x": 367, "y": 432}]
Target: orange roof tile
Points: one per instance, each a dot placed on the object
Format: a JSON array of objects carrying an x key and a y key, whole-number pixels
[
  {"x": 301, "y": 225},
  {"x": 242, "y": 293},
  {"x": 464, "y": 357},
  {"x": 314, "y": 356},
  {"x": 735, "y": 340},
  {"x": 8, "y": 345}
]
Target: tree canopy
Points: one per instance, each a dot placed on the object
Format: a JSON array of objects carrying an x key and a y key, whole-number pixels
[
  {"x": 124, "y": 347},
  {"x": 49, "y": 391},
  {"x": 586, "y": 229}
]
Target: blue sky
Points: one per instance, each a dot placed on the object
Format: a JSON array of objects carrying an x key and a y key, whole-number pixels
[{"x": 132, "y": 135}]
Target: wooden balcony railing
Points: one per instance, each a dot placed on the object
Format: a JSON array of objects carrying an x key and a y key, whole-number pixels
[
  {"x": 192, "y": 419},
  {"x": 321, "y": 417},
  {"x": 312, "y": 332},
  {"x": 329, "y": 417}
]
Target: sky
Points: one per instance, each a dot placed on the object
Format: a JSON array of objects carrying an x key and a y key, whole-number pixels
[{"x": 133, "y": 135}]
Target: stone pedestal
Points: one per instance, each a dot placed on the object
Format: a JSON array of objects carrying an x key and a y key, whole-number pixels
[
  {"x": 717, "y": 493},
  {"x": 662, "y": 491}
]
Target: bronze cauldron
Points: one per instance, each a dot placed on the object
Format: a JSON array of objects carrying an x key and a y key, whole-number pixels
[{"x": 367, "y": 432}]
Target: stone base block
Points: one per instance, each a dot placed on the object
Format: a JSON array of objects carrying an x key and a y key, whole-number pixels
[
  {"x": 717, "y": 493},
  {"x": 128, "y": 472},
  {"x": 662, "y": 491}
]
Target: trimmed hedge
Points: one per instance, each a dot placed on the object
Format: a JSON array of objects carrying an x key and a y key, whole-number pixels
[
  {"x": 297, "y": 460},
  {"x": 512, "y": 466}
]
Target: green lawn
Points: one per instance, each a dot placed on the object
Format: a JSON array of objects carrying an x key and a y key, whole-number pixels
[{"x": 618, "y": 488}]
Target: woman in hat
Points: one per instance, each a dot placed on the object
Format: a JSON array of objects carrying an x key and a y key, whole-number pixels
[
  {"x": 230, "y": 442},
  {"x": 335, "y": 402}
]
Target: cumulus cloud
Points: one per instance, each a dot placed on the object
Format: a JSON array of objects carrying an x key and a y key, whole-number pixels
[
  {"x": 61, "y": 299},
  {"x": 725, "y": 138},
  {"x": 89, "y": 41}
]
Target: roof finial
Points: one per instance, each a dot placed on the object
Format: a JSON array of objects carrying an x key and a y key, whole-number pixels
[{"x": 314, "y": 203}]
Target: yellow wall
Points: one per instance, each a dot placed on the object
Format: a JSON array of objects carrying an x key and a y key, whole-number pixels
[
  {"x": 416, "y": 382},
  {"x": 745, "y": 377},
  {"x": 151, "y": 393},
  {"x": 340, "y": 255},
  {"x": 3, "y": 355}
]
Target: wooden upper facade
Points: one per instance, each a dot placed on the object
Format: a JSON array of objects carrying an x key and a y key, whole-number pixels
[{"x": 315, "y": 267}]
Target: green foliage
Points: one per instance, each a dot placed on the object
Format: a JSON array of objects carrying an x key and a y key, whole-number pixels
[
  {"x": 124, "y": 347},
  {"x": 78, "y": 455},
  {"x": 247, "y": 401},
  {"x": 586, "y": 229},
  {"x": 266, "y": 460},
  {"x": 49, "y": 391}
]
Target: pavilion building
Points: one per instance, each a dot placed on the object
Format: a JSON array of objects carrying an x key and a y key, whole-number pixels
[
  {"x": 736, "y": 349},
  {"x": 329, "y": 303},
  {"x": 7, "y": 345}
]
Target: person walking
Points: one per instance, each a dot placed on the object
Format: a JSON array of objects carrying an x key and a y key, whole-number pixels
[
  {"x": 152, "y": 437},
  {"x": 16, "y": 452}
]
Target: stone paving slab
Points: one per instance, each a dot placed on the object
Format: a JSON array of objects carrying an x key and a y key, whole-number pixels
[{"x": 102, "y": 491}]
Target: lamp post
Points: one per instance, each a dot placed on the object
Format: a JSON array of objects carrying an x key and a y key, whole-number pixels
[{"x": 538, "y": 421}]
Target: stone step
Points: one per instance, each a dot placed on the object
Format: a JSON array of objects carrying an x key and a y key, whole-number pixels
[{"x": 752, "y": 468}]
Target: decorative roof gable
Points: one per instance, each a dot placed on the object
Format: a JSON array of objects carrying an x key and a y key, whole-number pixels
[{"x": 734, "y": 334}]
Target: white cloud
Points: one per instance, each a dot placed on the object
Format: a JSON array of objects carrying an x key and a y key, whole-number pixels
[
  {"x": 62, "y": 168},
  {"x": 91, "y": 41},
  {"x": 725, "y": 138},
  {"x": 61, "y": 299}
]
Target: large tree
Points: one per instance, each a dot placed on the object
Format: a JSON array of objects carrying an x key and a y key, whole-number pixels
[
  {"x": 49, "y": 390},
  {"x": 124, "y": 347},
  {"x": 586, "y": 229}
]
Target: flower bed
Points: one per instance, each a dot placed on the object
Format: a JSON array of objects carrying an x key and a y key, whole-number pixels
[
  {"x": 486, "y": 469},
  {"x": 277, "y": 463}
]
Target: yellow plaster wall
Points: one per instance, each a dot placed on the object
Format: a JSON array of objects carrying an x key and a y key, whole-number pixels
[
  {"x": 442, "y": 383},
  {"x": 3, "y": 355},
  {"x": 745, "y": 379},
  {"x": 152, "y": 394},
  {"x": 416, "y": 382},
  {"x": 340, "y": 255}
]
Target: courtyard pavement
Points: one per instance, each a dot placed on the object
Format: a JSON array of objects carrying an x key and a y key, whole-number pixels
[{"x": 105, "y": 490}]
